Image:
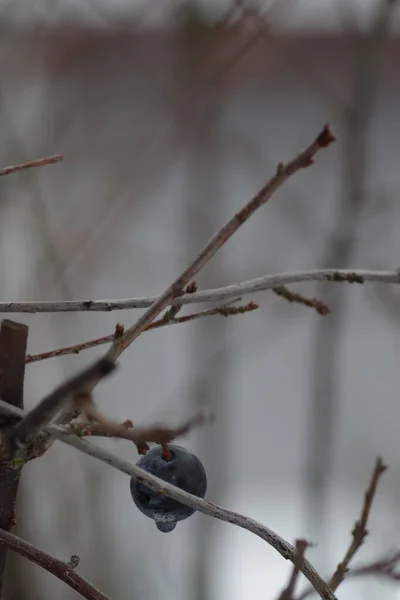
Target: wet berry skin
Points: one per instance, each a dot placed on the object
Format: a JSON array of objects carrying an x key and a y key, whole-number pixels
[{"x": 184, "y": 470}]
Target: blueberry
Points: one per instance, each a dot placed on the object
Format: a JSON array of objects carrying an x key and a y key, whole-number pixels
[{"x": 184, "y": 470}]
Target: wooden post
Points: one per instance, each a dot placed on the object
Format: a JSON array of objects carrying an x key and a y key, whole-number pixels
[{"x": 13, "y": 342}]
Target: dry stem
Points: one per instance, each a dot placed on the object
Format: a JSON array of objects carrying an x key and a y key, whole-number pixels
[
  {"x": 360, "y": 531},
  {"x": 259, "y": 284},
  {"x": 40, "y": 162},
  {"x": 62, "y": 570},
  {"x": 167, "y": 319}
]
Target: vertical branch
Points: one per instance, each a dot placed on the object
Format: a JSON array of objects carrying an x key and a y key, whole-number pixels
[
  {"x": 340, "y": 249},
  {"x": 13, "y": 341}
]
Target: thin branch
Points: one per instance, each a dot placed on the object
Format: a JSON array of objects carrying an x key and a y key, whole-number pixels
[
  {"x": 21, "y": 434},
  {"x": 359, "y": 534},
  {"x": 13, "y": 341},
  {"x": 360, "y": 531},
  {"x": 174, "y": 291},
  {"x": 321, "y": 308},
  {"x": 386, "y": 568},
  {"x": 61, "y": 570},
  {"x": 288, "y": 592},
  {"x": 158, "y": 434},
  {"x": 266, "y": 282},
  {"x": 40, "y": 162},
  {"x": 164, "y": 321},
  {"x": 208, "y": 508}
]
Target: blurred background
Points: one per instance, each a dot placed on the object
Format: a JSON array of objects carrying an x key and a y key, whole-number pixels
[{"x": 170, "y": 116}]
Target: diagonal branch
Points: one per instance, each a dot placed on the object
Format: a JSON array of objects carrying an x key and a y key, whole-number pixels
[
  {"x": 40, "y": 162},
  {"x": 174, "y": 291},
  {"x": 204, "y": 506},
  {"x": 64, "y": 571},
  {"x": 283, "y": 172},
  {"x": 33, "y": 422},
  {"x": 266, "y": 282}
]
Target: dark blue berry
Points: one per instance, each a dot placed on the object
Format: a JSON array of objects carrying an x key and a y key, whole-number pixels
[{"x": 184, "y": 470}]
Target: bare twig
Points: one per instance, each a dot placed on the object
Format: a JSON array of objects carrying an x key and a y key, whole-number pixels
[
  {"x": 13, "y": 340},
  {"x": 266, "y": 282},
  {"x": 288, "y": 592},
  {"x": 165, "y": 320},
  {"x": 173, "y": 292},
  {"x": 360, "y": 531},
  {"x": 208, "y": 508},
  {"x": 158, "y": 434},
  {"x": 48, "y": 160},
  {"x": 21, "y": 434},
  {"x": 63, "y": 570},
  {"x": 283, "y": 172},
  {"x": 386, "y": 568},
  {"x": 321, "y": 308},
  {"x": 359, "y": 534}
]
